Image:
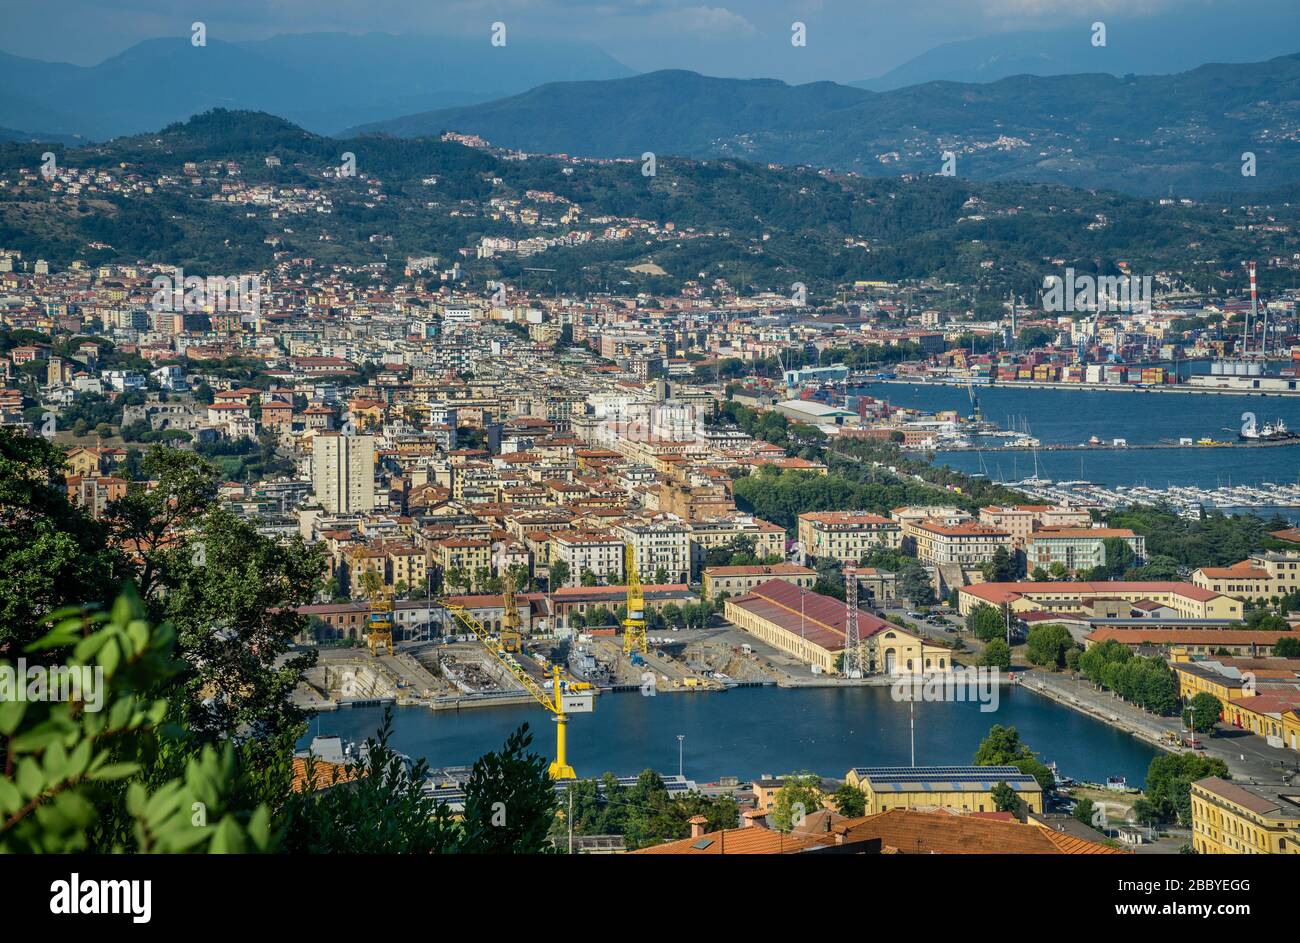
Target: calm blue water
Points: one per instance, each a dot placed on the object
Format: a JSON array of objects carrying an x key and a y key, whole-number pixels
[
  {"x": 750, "y": 731},
  {"x": 1070, "y": 416}
]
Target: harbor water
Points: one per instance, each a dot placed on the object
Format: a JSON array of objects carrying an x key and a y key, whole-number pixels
[
  {"x": 747, "y": 732},
  {"x": 1072, "y": 417}
]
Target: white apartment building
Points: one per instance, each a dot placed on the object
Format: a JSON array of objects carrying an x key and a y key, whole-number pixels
[
  {"x": 965, "y": 544},
  {"x": 769, "y": 539},
  {"x": 343, "y": 472},
  {"x": 846, "y": 536},
  {"x": 599, "y": 553},
  {"x": 1078, "y": 548},
  {"x": 660, "y": 544}
]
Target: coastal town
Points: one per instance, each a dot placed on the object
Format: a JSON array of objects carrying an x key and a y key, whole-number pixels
[
  {"x": 512, "y": 431},
  {"x": 520, "y": 499}
]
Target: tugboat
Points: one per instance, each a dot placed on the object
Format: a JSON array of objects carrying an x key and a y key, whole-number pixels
[
  {"x": 1061, "y": 781},
  {"x": 1269, "y": 432}
]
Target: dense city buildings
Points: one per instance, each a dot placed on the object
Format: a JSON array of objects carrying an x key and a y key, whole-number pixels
[{"x": 717, "y": 455}]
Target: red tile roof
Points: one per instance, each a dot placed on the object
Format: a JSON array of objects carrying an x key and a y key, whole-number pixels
[
  {"x": 1001, "y": 592},
  {"x": 910, "y": 831},
  {"x": 818, "y": 618}
]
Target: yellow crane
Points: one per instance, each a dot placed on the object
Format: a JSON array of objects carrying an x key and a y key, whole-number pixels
[
  {"x": 634, "y": 623},
  {"x": 555, "y": 701},
  {"x": 379, "y": 621},
  {"x": 511, "y": 638}
]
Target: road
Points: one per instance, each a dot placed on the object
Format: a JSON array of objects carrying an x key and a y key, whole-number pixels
[{"x": 1249, "y": 757}]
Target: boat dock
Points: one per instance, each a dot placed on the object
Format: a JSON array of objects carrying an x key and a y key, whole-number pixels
[
  {"x": 867, "y": 379},
  {"x": 1187, "y": 500},
  {"x": 1113, "y": 447}
]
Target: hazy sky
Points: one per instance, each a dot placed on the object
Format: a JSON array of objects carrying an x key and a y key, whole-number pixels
[{"x": 847, "y": 39}]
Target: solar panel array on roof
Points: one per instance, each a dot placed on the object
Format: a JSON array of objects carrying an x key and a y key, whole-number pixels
[
  {"x": 672, "y": 783},
  {"x": 932, "y": 778}
]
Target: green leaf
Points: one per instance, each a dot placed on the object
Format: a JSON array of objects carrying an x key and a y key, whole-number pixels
[
  {"x": 11, "y": 715},
  {"x": 28, "y": 777},
  {"x": 111, "y": 771},
  {"x": 11, "y": 800},
  {"x": 110, "y": 656}
]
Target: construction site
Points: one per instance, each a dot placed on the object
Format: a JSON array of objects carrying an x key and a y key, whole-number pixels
[
  {"x": 489, "y": 656},
  {"x": 474, "y": 662}
]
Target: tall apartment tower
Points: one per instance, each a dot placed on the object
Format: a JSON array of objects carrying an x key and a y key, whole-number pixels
[{"x": 343, "y": 472}]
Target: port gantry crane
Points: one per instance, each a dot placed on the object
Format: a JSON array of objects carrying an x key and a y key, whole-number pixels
[
  {"x": 556, "y": 701},
  {"x": 634, "y": 621}
]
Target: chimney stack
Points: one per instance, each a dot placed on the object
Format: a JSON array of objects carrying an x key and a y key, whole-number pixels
[{"x": 698, "y": 824}]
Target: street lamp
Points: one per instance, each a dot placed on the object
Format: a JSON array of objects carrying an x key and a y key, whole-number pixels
[{"x": 681, "y": 737}]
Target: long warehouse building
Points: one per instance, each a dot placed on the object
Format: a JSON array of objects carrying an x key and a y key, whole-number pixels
[{"x": 811, "y": 628}]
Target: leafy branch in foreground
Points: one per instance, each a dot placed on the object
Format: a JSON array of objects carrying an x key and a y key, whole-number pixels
[
  {"x": 64, "y": 761},
  {"x": 379, "y": 804}
]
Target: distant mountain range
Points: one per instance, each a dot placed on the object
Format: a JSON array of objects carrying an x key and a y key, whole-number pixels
[
  {"x": 758, "y": 227},
  {"x": 1157, "y": 134},
  {"x": 1182, "y": 134},
  {"x": 321, "y": 81},
  {"x": 1173, "y": 40},
  {"x": 8, "y": 135}
]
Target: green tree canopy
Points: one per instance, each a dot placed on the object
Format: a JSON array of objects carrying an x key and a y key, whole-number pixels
[
  {"x": 1202, "y": 712},
  {"x": 1047, "y": 646},
  {"x": 1169, "y": 782},
  {"x": 799, "y": 796},
  {"x": 54, "y": 554},
  {"x": 850, "y": 801}
]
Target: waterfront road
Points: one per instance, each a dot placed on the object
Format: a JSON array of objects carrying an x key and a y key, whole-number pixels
[{"x": 1249, "y": 757}]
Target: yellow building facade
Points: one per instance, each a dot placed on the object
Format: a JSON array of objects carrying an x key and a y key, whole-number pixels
[
  {"x": 1259, "y": 578},
  {"x": 810, "y": 627},
  {"x": 961, "y": 788},
  {"x": 1185, "y": 599},
  {"x": 846, "y": 536},
  {"x": 1232, "y": 819}
]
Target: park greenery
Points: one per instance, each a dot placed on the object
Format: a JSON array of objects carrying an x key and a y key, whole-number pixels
[
  {"x": 1004, "y": 798},
  {"x": 996, "y": 654},
  {"x": 1214, "y": 539},
  {"x": 1202, "y": 712},
  {"x": 1147, "y": 682},
  {"x": 1047, "y": 646},
  {"x": 986, "y": 623},
  {"x": 1169, "y": 781},
  {"x": 849, "y": 801}
]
